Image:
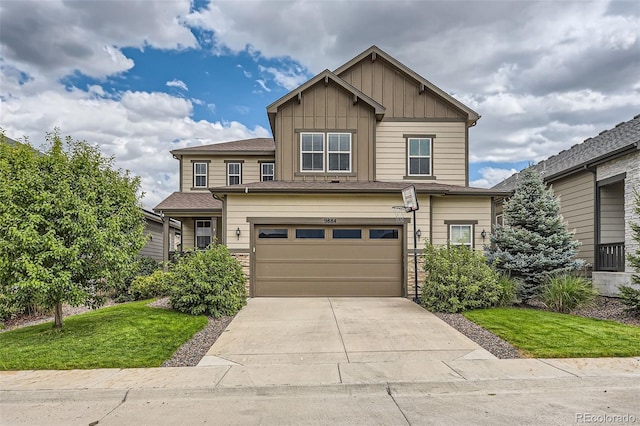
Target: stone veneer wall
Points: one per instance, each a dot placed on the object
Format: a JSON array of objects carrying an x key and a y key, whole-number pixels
[
  {"x": 629, "y": 164},
  {"x": 244, "y": 260},
  {"x": 410, "y": 275}
]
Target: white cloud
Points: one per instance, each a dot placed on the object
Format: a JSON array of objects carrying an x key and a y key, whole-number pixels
[
  {"x": 288, "y": 77},
  {"x": 491, "y": 176},
  {"x": 263, "y": 85},
  {"x": 178, "y": 83}
]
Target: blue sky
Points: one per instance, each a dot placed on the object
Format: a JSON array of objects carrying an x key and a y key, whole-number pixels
[{"x": 139, "y": 78}]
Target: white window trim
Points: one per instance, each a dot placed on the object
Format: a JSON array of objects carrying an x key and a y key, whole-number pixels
[
  {"x": 472, "y": 230},
  {"x": 499, "y": 218},
  {"x": 195, "y": 232},
  {"x": 430, "y": 157},
  {"x": 239, "y": 174},
  {"x": 324, "y": 144},
  {"x": 206, "y": 175},
  {"x": 350, "y": 152},
  {"x": 262, "y": 173}
]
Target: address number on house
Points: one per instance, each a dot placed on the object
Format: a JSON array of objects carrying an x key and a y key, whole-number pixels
[{"x": 330, "y": 220}]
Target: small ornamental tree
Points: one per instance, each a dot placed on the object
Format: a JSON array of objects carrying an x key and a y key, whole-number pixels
[
  {"x": 631, "y": 296},
  {"x": 70, "y": 225},
  {"x": 534, "y": 243}
]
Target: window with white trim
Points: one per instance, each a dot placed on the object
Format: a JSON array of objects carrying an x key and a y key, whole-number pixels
[
  {"x": 461, "y": 235},
  {"x": 499, "y": 219},
  {"x": 266, "y": 171},
  {"x": 203, "y": 234},
  {"x": 312, "y": 152},
  {"x": 234, "y": 173},
  {"x": 419, "y": 156},
  {"x": 200, "y": 175},
  {"x": 339, "y": 152}
]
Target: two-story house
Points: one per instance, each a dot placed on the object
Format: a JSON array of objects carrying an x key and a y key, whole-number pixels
[{"x": 310, "y": 213}]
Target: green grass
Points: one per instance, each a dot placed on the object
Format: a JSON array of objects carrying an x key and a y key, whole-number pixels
[
  {"x": 121, "y": 336},
  {"x": 542, "y": 334}
]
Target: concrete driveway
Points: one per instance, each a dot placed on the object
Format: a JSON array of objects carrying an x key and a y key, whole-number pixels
[{"x": 345, "y": 340}]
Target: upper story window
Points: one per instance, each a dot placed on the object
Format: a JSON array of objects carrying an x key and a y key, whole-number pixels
[
  {"x": 200, "y": 175},
  {"x": 312, "y": 152},
  {"x": 419, "y": 156},
  {"x": 339, "y": 152},
  {"x": 266, "y": 171},
  {"x": 234, "y": 173},
  {"x": 499, "y": 219},
  {"x": 461, "y": 235}
]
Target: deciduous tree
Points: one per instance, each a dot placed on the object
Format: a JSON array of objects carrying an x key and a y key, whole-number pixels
[{"x": 70, "y": 224}]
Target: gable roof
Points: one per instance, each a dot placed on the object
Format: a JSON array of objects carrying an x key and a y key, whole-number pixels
[
  {"x": 189, "y": 202},
  {"x": 624, "y": 138},
  {"x": 325, "y": 75},
  {"x": 255, "y": 146},
  {"x": 472, "y": 116}
]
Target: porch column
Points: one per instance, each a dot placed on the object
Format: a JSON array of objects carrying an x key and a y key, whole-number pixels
[{"x": 165, "y": 241}]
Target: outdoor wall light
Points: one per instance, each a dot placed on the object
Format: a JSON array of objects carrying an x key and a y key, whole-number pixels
[
  {"x": 418, "y": 233},
  {"x": 483, "y": 234},
  {"x": 238, "y": 232}
]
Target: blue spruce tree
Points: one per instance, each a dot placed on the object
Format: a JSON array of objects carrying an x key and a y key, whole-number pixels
[{"x": 534, "y": 242}]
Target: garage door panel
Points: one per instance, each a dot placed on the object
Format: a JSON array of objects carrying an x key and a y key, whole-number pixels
[{"x": 328, "y": 267}]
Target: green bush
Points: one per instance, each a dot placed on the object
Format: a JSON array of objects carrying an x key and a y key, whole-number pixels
[
  {"x": 508, "y": 288},
  {"x": 630, "y": 297},
  {"x": 209, "y": 282},
  {"x": 458, "y": 279},
  {"x": 565, "y": 293},
  {"x": 144, "y": 266},
  {"x": 157, "y": 284}
]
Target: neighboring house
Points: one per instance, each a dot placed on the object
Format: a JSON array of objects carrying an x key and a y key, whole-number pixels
[
  {"x": 596, "y": 181},
  {"x": 310, "y": 213},
  {"x": 153, "y": 228}
]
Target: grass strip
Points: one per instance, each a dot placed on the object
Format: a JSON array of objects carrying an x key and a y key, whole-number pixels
[
  {"x": 542, "y": 334},
  {"x": 122, "y": 336}
]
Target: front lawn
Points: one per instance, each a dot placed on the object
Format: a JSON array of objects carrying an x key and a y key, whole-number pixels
[
  {"x": 541, "y": 334},
  {"x": 121, "y": 336}
]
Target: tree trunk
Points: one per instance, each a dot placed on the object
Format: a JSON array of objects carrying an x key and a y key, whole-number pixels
[{"x": 58, "y": 315}]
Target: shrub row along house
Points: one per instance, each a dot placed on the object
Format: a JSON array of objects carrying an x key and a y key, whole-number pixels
[
  {"x": 310, "y": 212},
  {"x": 596, "y": 181}
]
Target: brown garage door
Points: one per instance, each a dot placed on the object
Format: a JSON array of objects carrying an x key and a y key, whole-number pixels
[{"x": 328, "y": 261}]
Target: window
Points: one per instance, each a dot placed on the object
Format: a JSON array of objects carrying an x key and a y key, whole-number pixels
[
  {"x": 499, "y": 220},
  {"x": 377, "y": 234},
  {"x": 339, "y": 152},
  {"x": 352, "y": 234},
  {"x": 312, "y": 152},
  {"x": 266, "y": 171},
  {"x": 419, "y": 156},
  {"x": 273, "y": 233},
  {"x": 203, "y": 234},
  {"x": 234, "y": 173},
  {"x": 310, "y": 233},
  {"x": 461, "y": 235},
  {"x": 199, "y": 175}
]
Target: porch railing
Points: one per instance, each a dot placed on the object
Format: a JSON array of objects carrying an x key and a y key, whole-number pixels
[{"x": 610, "y": 257}]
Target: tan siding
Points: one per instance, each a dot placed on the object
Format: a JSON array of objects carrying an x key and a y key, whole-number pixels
[
  {"x": 577, "y": 207},
  {"x": 461, "y": 209},
  {"x": 188, "y": 234},
  {"x": 218, "y": 170},
  {"x": 399, "y": 93},
  {"x": 449, "y": 146},
  {"x": 241, "y": 206},
  {"x": 324, "y": 109}
]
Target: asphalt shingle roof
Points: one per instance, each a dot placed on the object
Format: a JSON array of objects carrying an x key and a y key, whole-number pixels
[
  {"x": 609, "y": 142},
  {"x": 199, "y": 201},
  {"x": 265, "y": 145}
]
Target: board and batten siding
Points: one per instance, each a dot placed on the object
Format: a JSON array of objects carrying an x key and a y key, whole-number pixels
[
  {"x": 324, "y": 108},
  {"x": 399, "y": 93},
  {"x": 217, "y": 170},
  {"x": 461, "y": 209},
  {"x": 576, "y": 194},
  {"x": 448, "y": 150},
  {"x": 241, "y": 206}
]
